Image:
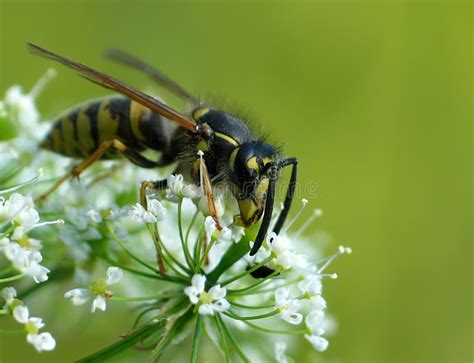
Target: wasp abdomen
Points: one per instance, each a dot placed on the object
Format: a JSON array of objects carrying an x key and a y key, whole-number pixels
[{"x": 79, "y": 132}]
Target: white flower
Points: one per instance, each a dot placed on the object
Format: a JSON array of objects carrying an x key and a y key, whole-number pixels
[
  {"x": 318, "y": 303},
  {"x": 197, "y": 287},
  {"x": 98, "y": 289},
  {"x": 319, "y": 343},
  {"x": 156, "y": 212},
  {"x": 209, "y": 302},
  {"x": 42, "y": 341},
  {"x": 178, "y": 189},
  {"x": 314, "y": 321},
  {"x": 26, "y": 261},
  {"x": 281, "y": 250},
  {"x": 288, "y": 307},
  {"x": 311, "y": 285},
  {"x": 22, "y": 106},
  {"x": 8, "y": 294}
]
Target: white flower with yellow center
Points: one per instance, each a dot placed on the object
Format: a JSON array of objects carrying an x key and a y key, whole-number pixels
[
  {"x": 99, "y": 289},
  {"x": 210, "y": 301},
  {"x": 288, "y": 307}
]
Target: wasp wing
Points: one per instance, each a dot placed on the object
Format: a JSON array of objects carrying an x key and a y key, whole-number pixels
[
  {"x": 130, "y": 60},
  {"x": 106, "y": 81}
]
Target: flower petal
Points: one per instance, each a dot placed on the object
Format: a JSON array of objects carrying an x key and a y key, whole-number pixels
[
  {"x": 114, "y": 275},
  {"x": 198, "y": 281},
  {"x": 206, "y": 309},
  {"x": 217, "y": 292},
  {"x": 21, "y": 314},
  {"x": 78, "y": 296},
  {"x": 98, "y": 303}
]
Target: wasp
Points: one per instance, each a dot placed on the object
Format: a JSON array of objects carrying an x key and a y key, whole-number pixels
[{"x": 132, "y": 122}]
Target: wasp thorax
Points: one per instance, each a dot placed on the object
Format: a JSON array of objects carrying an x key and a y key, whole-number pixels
[{"x": 251, "y": 162}]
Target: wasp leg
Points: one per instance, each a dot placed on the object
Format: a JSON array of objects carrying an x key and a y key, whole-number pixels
[
  {"x": 130, "y": 154},
  {"x": 157, "y": 185},
  {"x": 207, "y": 189}
]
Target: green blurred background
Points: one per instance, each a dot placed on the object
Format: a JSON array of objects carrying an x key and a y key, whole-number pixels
[{"x": 374, "y": 98}]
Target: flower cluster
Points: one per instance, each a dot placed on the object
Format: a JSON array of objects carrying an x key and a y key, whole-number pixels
[{"x": 201, "y": 272}]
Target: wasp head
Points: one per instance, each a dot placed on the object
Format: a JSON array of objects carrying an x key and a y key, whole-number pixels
[{"x": 251, "y": 163}]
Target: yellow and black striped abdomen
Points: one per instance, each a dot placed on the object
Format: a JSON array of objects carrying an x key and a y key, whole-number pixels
[{"x": 78, "y": 133}]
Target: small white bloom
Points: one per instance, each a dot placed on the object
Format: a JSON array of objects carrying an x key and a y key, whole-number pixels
[
  {"x": 178, "y": 188},
  {"x": 281, "y": 249},
  {"x": 318, "y": 303},
  {"x": 319, "y": 343},
  {"x": 209, "y": 302},
  {"x": 237, "y": 232},
  {"x": 42, "y": 342},
  {"x": 8, "y": 294},
  {"x": 311, "y": 285},
  {"x": 288, "y": 307},
  {"x": 197, "y": 287},
  {"x": 97, "y": 289},
  {"x": 156, "y": 212},
  {"x": 314, "y": 321}
]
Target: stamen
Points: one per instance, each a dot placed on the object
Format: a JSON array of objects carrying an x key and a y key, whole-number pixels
[
  {"x": 39, "y": 86},
  {"x": 57, "y": 221},
  {"x": 317, "y": 213},
  {"x": 38, "y": 176},
  {"x": 328, "y": 260},
  {"x": 303, "y": 204}
]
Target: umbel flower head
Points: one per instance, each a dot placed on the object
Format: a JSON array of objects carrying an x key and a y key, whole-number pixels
[{"x": 203, "y": 279}]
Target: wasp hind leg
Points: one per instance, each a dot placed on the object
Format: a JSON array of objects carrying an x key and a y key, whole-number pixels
[{"x": 114, "y": 144}]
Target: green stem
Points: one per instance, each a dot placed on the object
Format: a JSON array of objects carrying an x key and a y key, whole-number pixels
[
  {"x": 6, "y": 270},
  {"x": 129, "y": 341},
  {"x": 189, "y": 259},
  {"x": 164, "y": 253},
  {"x": 247, "y": 272},
  {"x": 252, "y": 317},
  {"x": 243, "y": 306},
  {"x": 206, "y": 252},
  {"x": 283, "y": 332},
  {"x": 130, "y": 253},
  {"x": 223, "y": 338},
  {"x": 165, "y": 277},
  {"x": 191, "y": 225},
  {"x": 236, "y": 346},
  {"x": 12, "y": 278},
  {"x": 196, "y": 338},
  {"x": 250, "y": 287},
  {"x": 145, "y": 298}
]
